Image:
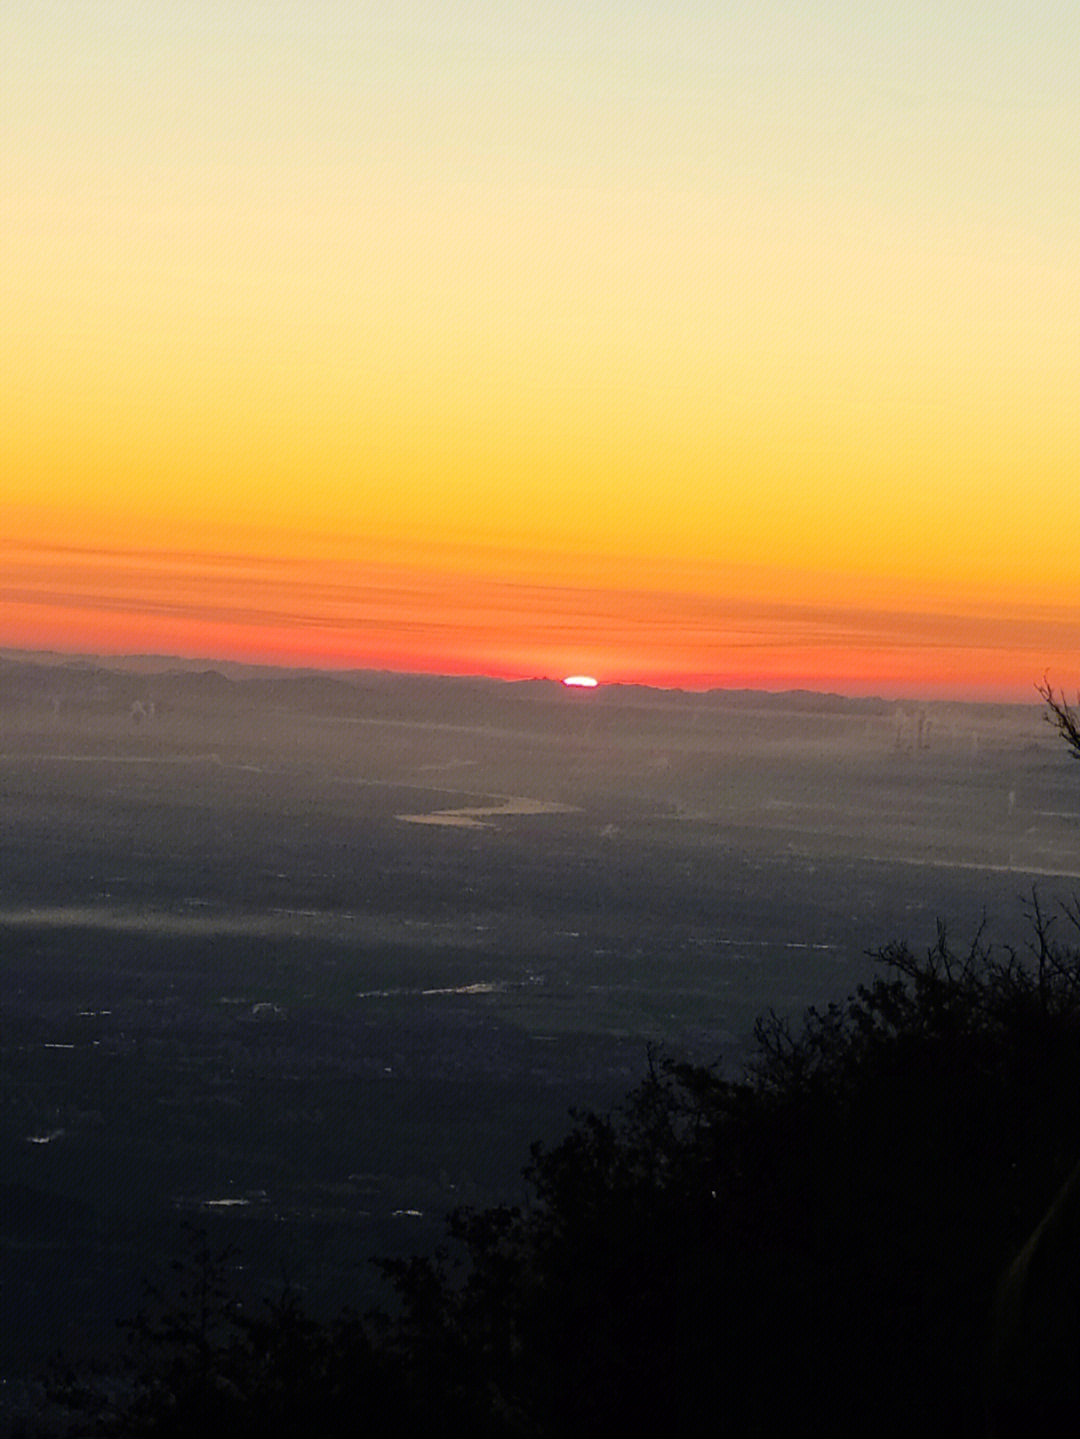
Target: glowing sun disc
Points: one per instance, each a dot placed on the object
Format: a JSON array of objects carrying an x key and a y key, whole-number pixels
[{"x": 581, "y": 682}]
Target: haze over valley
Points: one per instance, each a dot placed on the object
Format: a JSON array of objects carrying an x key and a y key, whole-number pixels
[{"x": 312, "y": 959}]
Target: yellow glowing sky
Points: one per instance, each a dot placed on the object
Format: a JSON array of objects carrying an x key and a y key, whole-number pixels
[{"x": 691, "y": 342}]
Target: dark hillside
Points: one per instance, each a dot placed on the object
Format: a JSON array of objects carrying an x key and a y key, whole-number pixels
[{"x": 875, "y": 1231}]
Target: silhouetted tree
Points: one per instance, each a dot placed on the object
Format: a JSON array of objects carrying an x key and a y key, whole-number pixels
[
  {"x": 1036, "y": 1328},
  {"x": 1062, "y": 716},
  {"x": 199, "y": 1364},
  {"x": 865, "y": 1231},
  {"x": 816, "y": 1245}
]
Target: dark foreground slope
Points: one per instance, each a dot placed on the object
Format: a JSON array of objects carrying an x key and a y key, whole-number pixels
[{"x": 876, "y": 1231}]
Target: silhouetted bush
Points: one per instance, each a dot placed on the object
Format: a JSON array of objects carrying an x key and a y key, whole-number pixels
[
  {"x": 876, "y": 1228},
  {"x": 816, "y": 1246}
]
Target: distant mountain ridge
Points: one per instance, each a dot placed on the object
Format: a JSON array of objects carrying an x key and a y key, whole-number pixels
[{"x": 39, "y": 671}]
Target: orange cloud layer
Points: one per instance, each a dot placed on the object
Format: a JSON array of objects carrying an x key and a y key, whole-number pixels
[{"x": 392, "y": 615}]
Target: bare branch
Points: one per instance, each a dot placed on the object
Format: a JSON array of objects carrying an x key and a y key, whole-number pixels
[{"x": 1062, "y": 716}]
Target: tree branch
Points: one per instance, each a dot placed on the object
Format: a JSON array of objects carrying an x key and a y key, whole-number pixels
[{"x": 1062, "y": 716}]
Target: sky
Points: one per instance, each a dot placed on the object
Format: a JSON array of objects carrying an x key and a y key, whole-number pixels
[{"x": 691, "y": 343}]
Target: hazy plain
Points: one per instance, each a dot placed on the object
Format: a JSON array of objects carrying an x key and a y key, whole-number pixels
[{"x": 308, "y": 961}]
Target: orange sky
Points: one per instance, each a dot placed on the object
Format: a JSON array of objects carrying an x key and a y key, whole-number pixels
[
  {"x": 344, "y": 613},
  {"x": 640, "y": 340}
]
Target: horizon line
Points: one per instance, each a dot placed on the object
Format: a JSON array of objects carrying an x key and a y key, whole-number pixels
[{"x": 218, "y": 664}]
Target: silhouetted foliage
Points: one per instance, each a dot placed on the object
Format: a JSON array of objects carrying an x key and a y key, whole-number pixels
[
  {"x": 817, "y": 1245},
  {"x": 874, "y": 1228},
  {"x": 1062, "y": 716},
  {"x": 200, "y": 1365}
]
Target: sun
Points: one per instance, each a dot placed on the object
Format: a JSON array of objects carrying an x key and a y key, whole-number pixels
[{"x": 581, "y": 682}]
